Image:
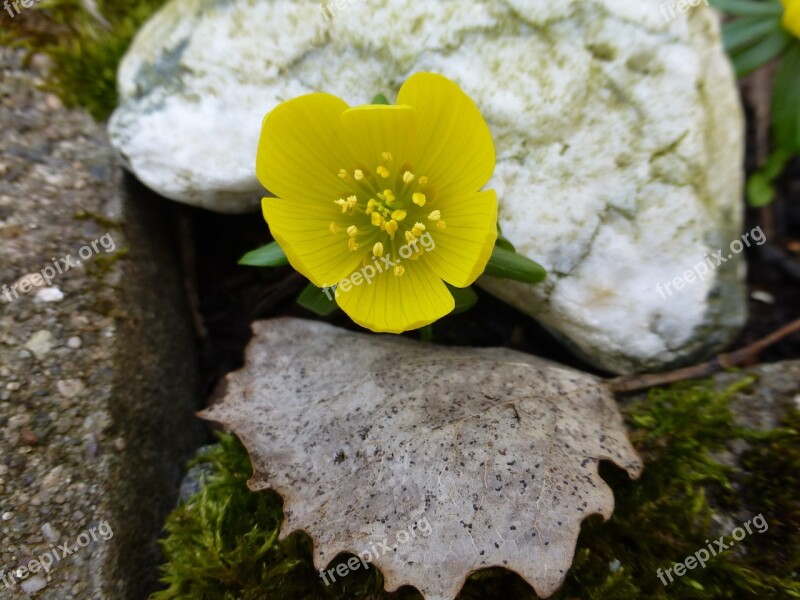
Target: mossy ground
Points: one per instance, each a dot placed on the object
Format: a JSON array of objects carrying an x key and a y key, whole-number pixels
[
  {"x": 222, "y": 543},
  {"x": 86, "y": 48}
]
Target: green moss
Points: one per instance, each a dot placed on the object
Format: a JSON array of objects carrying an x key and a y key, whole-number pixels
[
  {"x": 223, "y": 544},
  {"x": 86, "y": 51}
]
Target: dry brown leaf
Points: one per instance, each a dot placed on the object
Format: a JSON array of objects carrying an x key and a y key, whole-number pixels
[{"x": 480, "y": 457}]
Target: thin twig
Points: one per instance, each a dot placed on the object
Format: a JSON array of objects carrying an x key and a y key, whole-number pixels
[{"x": 633, "y": 383}]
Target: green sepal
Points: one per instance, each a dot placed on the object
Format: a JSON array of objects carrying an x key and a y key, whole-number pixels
[
  {"x": 317, "y": 301},
  {"x": 505, "y": 264},
  {"x": 271, "y": 255}
]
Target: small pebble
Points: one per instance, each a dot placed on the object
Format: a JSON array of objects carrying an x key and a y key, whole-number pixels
[
  {"x": 40, "y": 343},
  {"x": 74, "y": 342},
  {"x": 49, "y": 294},
  {"x": 7, "y": 516},
  {"x": 34, "y": 584},
  {"x": 50, "y": 534},
  {"x": 69, "y": 388}
]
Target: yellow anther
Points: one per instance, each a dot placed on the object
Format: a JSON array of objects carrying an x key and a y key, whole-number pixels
[
  {"x": 418, "y": 229},
  {"x": 435, "y": 215},
  {"x": 383, "y": 171},
  {"x": 334, "y": 228},
  {"x": 358, "y": 174},
  {"x": 391, "y": 227},
  {"x": 441, "y": 225},
  {"x": 352, "y": 244},
  {"x": 387, "y": 156},
  {"x": 352, "y": 231},
  {"x": 341, "y": 202},
  {"x": 423, "y": 180},
  {"x": 342, "y": 174},
  {"x": 418, "y": 199},
  {"x": 398, "y": 271},
  {"x": 410, "y": 237},
  {"x": 408, "y": 177},
  {"x": 389, "y": 195},
  {"x": 377, "y": 249},
  {"x": 399, "y": 215},
  {"x": 376, "y": 219},
  {"x": 351, "y": 201}
]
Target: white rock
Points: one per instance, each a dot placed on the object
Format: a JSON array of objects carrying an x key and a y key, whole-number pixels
[
  {"x": 618, "y": 136},
  {"x": 49, "y": 294}
]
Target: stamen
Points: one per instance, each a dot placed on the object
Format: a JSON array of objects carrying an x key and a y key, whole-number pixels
[
  {"x": 377, "y": 249},
  {"x": 341, "y": 202},
  {"x": 351, "y": 201},
  {"x": 408, "y": 177},
  {"x": 387, "y": 156},
  {"x": 418, "y": 229},
  {"x": 358, "y": 174},
  {"x": 418, "y": 199},
  {"x": 391, "y": 227},
  {"x": 435, "y": 215},
  {"x": 423, "y": 180},
  {"x": 342, "y": 174},
  {"x": 399, "y": 215},
  {"x": 334, "y": 228},
  {"x": 410, "y": 237},
  {"x": 383, "y": 171},
  {"x": 441, "y": 225},
  {"x": 352, "y": 231},
  {"x": 389, "y": 195},
  {"x": 376, "y": 219},
  {"x": 352, "y": 245},
  {"x": 398, "y": 271}
]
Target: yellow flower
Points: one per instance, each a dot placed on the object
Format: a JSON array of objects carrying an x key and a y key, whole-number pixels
[
  {"x": 418, "y": 165},
  {"x": 791, "y": 16}
]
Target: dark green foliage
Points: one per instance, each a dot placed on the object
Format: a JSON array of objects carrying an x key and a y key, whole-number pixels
[
  {"x": 222, "y": 544},
  {"x": 85, "y": 49}
]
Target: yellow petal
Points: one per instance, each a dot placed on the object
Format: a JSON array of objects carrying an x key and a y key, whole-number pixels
[
  {"x": 396, "y": 304},
  {"x": 303, "y": 232},
  {"x": 454, "y": 146},
  {"x": 372, "y": 130},
  {"x": 791, "y": 17},
  {"x": 303, "y": 147},
  {"x": 464, "y": 247}
]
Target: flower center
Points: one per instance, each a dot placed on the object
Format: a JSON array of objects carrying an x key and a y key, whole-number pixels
[{"x": 383, "y": 203}]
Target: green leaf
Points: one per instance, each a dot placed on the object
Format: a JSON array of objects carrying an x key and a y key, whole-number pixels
[
  {"x": 503, "y": 242},
  {"x": 744, "y": 32},
  {"x": 510, "y": 265},
  {"x": 271, "y": 255},
  {"x": 751, "y": 58},
  {"x": 380, "y": 99},
  {"x": 760, "y": 191},
  {"x": 465, "y": 298},
  {"x": 749, "y": 9},
  {"x": 760, "y": 188},
  {"x": 786, "y": 102},
  {"x": 317, "y": 300}
]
